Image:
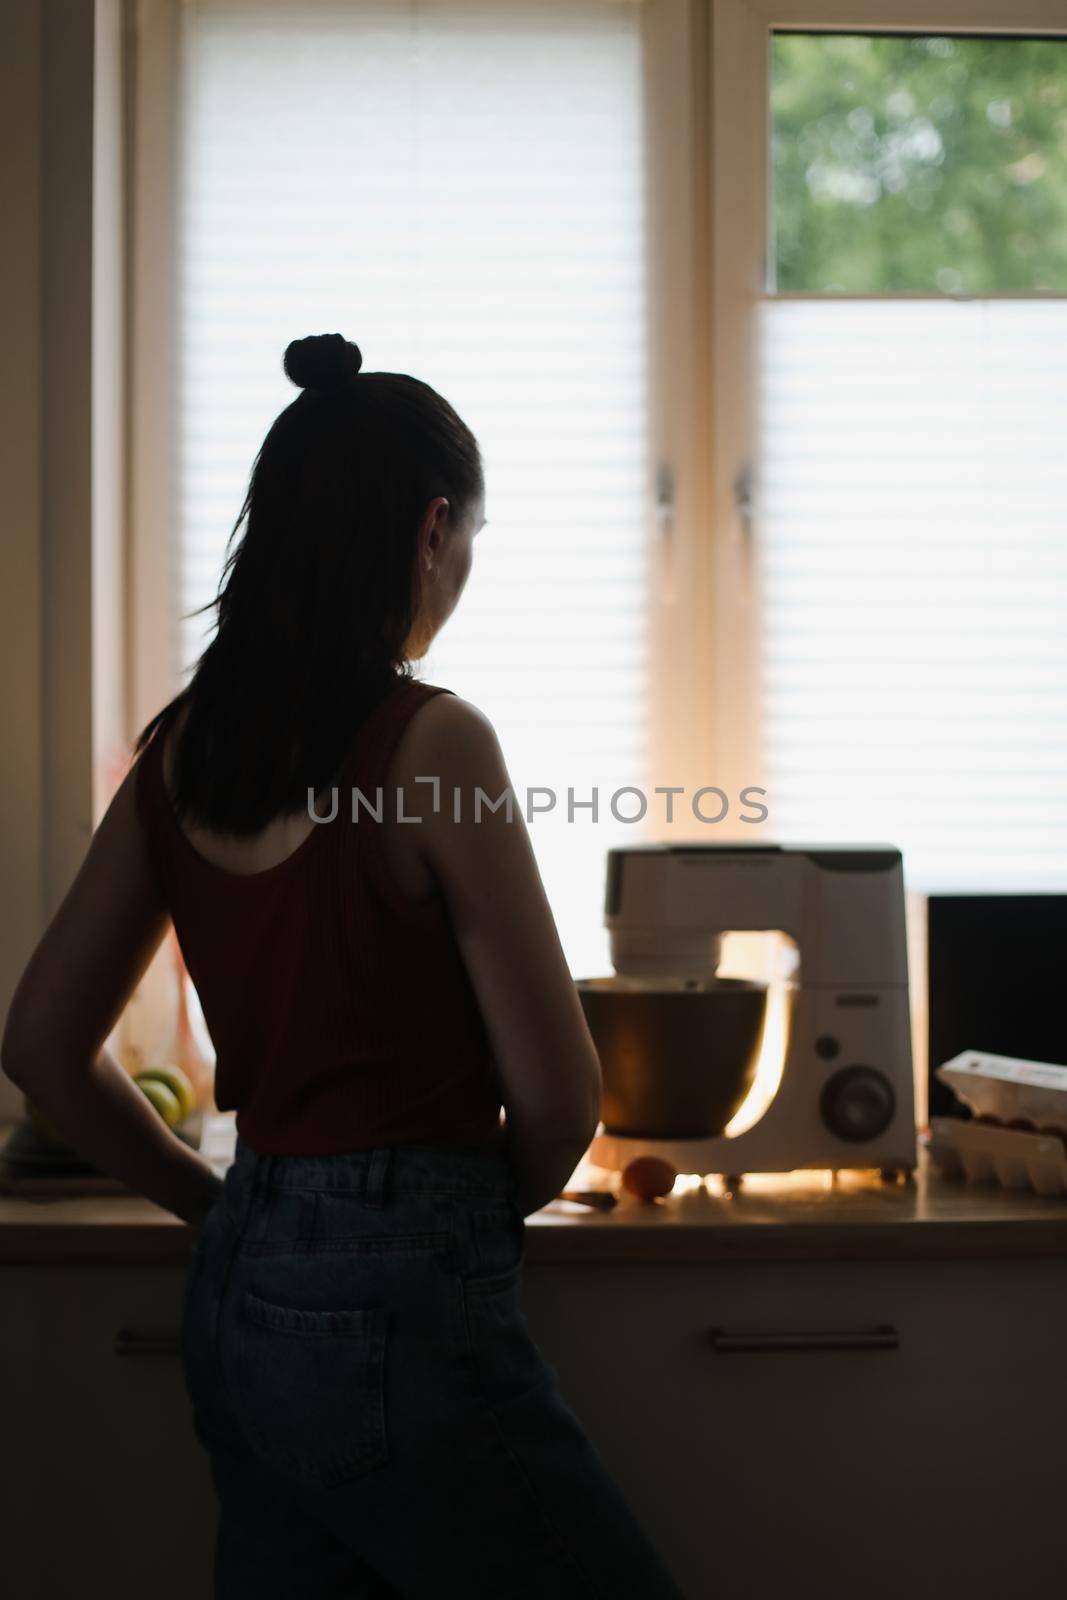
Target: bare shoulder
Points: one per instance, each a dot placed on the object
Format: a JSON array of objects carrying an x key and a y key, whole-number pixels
[
  {"x": 448, "y": 748},
  {"x": 450, "y": 738}
]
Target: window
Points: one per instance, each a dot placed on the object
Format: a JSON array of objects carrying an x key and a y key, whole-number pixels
[
  {"x": 459, "y": 188},
  {"x": 798, "y": 289},
  {"x": 903, "y": 533}
]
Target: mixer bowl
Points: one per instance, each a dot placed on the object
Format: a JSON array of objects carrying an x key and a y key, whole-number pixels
[{"x": 678, "y": 1057}]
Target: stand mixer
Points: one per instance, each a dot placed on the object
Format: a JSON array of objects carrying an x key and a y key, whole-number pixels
[{"x": 679, "y": 1046}]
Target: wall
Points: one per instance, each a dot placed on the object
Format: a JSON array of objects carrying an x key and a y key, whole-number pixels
[
  {"x": 21, "y": 700},
  {"x": 60, "y": 300}
]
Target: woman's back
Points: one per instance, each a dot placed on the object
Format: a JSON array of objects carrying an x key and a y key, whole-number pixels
[{"x": 341, "y": 1011}]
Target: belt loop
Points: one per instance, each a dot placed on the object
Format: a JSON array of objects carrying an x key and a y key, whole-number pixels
[{"x": 377, "y": 1177}]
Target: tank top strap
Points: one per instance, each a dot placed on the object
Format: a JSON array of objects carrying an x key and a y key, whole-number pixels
[
  {"x": 150, "y": 795},
  {"x": 143, "y": 781},
  {"x": 358, "y": 852},
  {"x": 375, "y": 745}
]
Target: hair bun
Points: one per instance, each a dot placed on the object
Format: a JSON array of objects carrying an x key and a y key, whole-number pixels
[{"x": 322, "y": 361}]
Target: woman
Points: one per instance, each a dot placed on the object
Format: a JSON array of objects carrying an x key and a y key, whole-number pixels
[{"x": 378, "y": 1420}]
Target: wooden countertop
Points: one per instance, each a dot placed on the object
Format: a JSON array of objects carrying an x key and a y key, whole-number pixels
[{"x": 792, "y": 1218}]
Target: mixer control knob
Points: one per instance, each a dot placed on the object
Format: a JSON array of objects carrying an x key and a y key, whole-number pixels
[{"x": 858, "y": 1103}]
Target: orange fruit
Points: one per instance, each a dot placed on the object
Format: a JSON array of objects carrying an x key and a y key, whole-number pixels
[{"x": 648, "y": 1177}]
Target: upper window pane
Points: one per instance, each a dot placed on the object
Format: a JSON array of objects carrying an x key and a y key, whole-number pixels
[{"x": 926, "y": 164}]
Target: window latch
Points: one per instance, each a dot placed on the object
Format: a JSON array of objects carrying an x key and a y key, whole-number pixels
[
  {"x": 665, "y": 500},
  {"x": 744, "y": 500},
  {"x": 664, "y": 505}
]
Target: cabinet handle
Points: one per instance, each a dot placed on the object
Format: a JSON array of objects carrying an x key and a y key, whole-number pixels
[
  {"x": 146, "y": 1344},
  {"x": 728, "y": 1344}
]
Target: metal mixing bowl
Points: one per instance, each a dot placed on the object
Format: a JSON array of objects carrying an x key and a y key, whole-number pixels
[{"x": 678, "y": 1057}]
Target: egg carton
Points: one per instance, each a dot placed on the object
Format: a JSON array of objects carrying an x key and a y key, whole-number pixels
[
  {"x": 1007, "y": 1088},
  {"x": 982, "y": 1153}
]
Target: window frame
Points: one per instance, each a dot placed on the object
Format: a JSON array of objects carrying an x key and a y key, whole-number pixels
[
  {"x": 675, "y": 86},
  {"x": 706, "y": 105},
  {"x": 741, "y": 229},
  {"x": 155, "y": 27}
]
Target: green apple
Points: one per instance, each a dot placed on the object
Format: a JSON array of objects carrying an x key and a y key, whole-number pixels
[
  {"x": 165, "y": 1100},
  {"x": 174, "y": 1079}
]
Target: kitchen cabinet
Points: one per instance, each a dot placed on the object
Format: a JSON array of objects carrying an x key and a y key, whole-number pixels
[
  {"x": 922, "y": 1461},
  {"x": 800, "y": 1396},
  {"x": 105, "y": 1489}
]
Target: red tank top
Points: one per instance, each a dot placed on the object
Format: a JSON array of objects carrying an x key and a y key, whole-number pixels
[{"x": 342, "y": 1018}]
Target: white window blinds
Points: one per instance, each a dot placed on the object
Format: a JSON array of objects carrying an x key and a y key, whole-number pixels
[
  {"x": 913, "y": 563},
  {"x": 457, "y": 187}
]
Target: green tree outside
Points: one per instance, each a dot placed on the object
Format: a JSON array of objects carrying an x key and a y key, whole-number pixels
[{"x": 929, "y": 164}]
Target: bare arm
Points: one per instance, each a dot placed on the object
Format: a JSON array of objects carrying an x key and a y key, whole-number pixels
[
  {"x": 506, "y": 933},
  {"x": 80, "y": 976}
]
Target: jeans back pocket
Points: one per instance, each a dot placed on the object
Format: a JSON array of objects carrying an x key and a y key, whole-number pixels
[
  {"x": 309, "y": 1388},
  {"x": 506, "y": 1359}
]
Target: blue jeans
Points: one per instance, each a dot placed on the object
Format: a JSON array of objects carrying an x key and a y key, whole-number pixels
[{"x": 378, "y": 1419}]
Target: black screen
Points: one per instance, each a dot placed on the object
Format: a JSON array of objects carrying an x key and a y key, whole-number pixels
[{"x": 997, "y": 972}]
